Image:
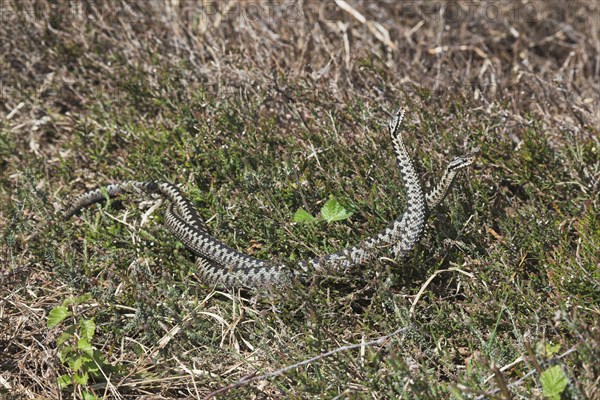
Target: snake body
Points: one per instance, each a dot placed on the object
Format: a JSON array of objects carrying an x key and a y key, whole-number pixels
[{"x": 222, "y": 265}]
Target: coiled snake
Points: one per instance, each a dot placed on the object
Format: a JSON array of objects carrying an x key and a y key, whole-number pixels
[{"x": 222, "y": 265}]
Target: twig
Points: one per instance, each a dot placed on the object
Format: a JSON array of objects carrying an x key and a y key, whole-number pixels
[
  {"x": 501, "y": 382},
  {"x": 378, "y": 30},
  {"x": 428, "y": 281},
  {"x": 532, "y": 358},
  {"x": 506, "y": 367},
  {"x": 252, "y": 378}
]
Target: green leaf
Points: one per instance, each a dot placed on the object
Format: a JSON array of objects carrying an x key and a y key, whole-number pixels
[
  {"x": 92, "y": 368},
  {"x": 82, "y": 378},
  {"x": 65, "y": 353},
  {"x": 303, "y": 216},
  {"x": 84, "y": 345},
  {"x": 71, "y": 362},
  {"x": 333, "y": 211},
  {"x": 552, "y": 349},
  {"x": 62, "y": 339},
  {"x": 77, "y": 364},
  {"x": 57, "y": 315},
  {"x": 91, "y": 364},
  {"x": 84, "y": 298},
  {"x": 89, "y": 396},
  {"x": 554, "y": 382},
  {"x": 64, "y": 381},
  {"x": 88, "y": 328}
]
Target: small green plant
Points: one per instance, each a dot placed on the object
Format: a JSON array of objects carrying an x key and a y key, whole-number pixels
[
  {"x": 554, "y": 381},
  {"x": 546, "y": 349},
  {"x": 331, "y": 211},
  {"x": 75, "y": 346}
]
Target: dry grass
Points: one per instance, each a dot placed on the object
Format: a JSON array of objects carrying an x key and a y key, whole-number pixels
[{"x": 259, "y": 108}]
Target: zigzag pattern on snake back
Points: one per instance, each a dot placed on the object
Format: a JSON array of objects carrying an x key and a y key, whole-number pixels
[{"x": 222, "y": 265}]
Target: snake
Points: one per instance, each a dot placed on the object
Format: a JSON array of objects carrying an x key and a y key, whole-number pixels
[{"x": 221, "y": 265}]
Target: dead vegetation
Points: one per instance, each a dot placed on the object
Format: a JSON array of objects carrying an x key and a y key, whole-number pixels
[{"x": 258, "y": 109}]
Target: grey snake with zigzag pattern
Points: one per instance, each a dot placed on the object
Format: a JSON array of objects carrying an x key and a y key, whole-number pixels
[{"x": 222, "y": 265}]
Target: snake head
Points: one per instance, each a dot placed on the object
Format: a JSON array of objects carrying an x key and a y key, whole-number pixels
[
  {"x": 396, "y": 121},
  {"x": 462, "y": 161}
]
